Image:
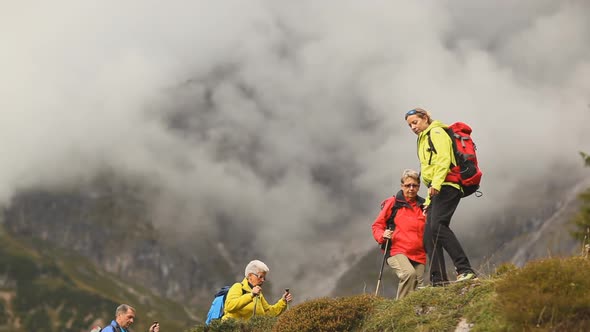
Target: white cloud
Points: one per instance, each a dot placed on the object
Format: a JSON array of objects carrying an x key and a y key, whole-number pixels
[{"x": 289, "y": 112}]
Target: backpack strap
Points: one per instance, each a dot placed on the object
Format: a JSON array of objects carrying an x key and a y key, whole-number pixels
[
  {"x": 112, "y": 328},
  {"x": 390, "y": 223},
  {"x": 431, "y": 147},
  {"x": 452, "y": 136}
]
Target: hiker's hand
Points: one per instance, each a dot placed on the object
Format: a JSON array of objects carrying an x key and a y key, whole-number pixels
[
  {"x": 155, "y": 327},
  {"x": 287, "y": 297},
  {"x": 387, "y": 234},
  {"x": 256, "y": 290},
  {"x": 432, "y": 192}
]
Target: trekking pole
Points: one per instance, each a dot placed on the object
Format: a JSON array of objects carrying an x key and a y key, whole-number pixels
[
  {"x": 255, "y": 302},
  {"x": 434, "y": 253},
  {"x": 385, "y": 252}
]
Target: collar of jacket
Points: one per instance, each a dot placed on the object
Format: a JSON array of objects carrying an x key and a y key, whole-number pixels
[
  {"x": 115, "y": 326},
  {"x": 433, "y": 124},
  {"x": 246, "y": 287},
  {"x": 400, "y": 200}
]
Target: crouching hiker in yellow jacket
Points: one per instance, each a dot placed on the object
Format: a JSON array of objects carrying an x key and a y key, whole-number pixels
[{"x": 245, "y": 299}]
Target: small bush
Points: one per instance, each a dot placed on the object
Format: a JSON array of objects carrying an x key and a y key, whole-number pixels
[
  {"x": 552, "y": 294},
  {"x": 505, "y": 269},
  {"x": 327, "y": 314},
  {"x": 262, "y": 323},
  {"x": 38, "y": 321},
  {"x": 256, "y": 324},
  {"x": 3, "y": 313},
  {"x": 229, "y": 325}
]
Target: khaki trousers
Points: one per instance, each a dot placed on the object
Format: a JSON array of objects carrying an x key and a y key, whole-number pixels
[{"x": 409, "y": 273}]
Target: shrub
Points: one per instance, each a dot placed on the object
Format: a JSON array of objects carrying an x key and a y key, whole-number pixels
[
  {"x": 256, "y": 324},
  {"x": 38, "y": 321},
  {"x": 551, "y": 294},
  {"x": 262, "y": 323},
  {"x": 3, "y": 313},
  {"x": 326, "y": 314},
  {"x": 505, "y": 269}
]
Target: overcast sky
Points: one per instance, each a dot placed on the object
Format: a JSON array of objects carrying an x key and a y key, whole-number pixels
[{"x": 287, "y": 113}]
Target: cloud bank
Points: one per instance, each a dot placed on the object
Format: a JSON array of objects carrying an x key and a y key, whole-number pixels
[{"x": 284, "y": 116}]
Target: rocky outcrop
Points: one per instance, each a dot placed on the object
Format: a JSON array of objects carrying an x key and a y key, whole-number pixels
[{"x": 114, "y": 230}]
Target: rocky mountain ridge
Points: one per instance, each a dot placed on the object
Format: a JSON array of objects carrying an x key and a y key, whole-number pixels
[
  {"x": 116, "y": 235},
  {"x": 111, "y": 226}
]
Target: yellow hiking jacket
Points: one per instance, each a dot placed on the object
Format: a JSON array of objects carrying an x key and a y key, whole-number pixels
[
  {"x": 239, "y": 303},
  {"x": 435, "y": 166}
]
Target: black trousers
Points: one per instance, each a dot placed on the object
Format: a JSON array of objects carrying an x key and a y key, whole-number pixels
[{"x": 438, "y": 235}]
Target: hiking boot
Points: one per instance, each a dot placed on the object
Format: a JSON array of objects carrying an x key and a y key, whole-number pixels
[{"x": 466, "y": 276}]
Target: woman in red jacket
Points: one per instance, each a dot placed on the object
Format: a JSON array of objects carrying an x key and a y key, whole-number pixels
[{"x": 406, "y": 255}]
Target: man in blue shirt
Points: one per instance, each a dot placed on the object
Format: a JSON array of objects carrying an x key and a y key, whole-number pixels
[{"x": 124, "y": 317}]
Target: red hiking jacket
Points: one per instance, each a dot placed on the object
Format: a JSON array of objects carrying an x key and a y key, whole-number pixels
[{"x": 409, "y": 227}]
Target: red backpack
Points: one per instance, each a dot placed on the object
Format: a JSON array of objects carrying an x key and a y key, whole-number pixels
[{"x": 466, "y": 172}]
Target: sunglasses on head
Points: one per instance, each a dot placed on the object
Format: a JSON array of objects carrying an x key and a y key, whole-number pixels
[{"x": 414, "y": 111}]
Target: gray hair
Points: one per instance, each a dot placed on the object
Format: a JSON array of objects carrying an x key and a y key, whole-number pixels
[
  {"x": 122, "y": 309},
  {"x": 255, "y": 267},
  {"x": 410, "y": 173}
]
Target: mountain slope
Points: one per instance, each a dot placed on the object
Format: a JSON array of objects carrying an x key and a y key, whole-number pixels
[
  {"x": 43, "y": 288},
  {"x": 114, "y": 230}
]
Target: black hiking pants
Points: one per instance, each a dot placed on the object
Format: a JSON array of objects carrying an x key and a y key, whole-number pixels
[{"x": 438, "y": 235}]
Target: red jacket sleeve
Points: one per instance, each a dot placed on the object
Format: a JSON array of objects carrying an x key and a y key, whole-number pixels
[{"x": 380, "y": 222}]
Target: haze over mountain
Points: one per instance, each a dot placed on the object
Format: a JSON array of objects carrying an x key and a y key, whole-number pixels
[{"x": 279, "y": 124}]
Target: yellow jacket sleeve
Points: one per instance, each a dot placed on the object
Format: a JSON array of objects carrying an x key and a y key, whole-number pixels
[{"x": 272, "y": 310}]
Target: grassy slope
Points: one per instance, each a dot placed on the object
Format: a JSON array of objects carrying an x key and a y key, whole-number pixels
[
  {"x": 47, "y": 289},
  {"x": 547, "y": 295}
]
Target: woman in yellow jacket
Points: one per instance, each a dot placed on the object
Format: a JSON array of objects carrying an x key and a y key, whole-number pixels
[
  {"x": 245, "y": 299},
  {"x": 442, "y": 199}
]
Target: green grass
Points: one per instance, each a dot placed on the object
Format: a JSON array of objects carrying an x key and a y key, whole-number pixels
[
  {"x": 55, "y": 290},
  {"x": 430, "y": 309},
  {"x": 545, "y": 295}
]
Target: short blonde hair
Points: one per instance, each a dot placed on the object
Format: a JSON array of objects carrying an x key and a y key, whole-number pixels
[{"x": 410, "y": 173}]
